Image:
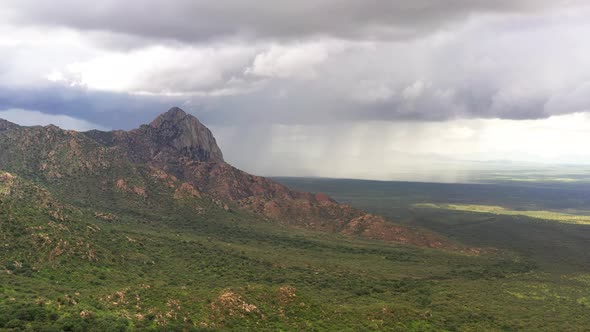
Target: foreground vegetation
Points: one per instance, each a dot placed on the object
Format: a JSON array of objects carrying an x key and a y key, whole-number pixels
[
  {"x": 142, "y": 266},
  {"x": 558, "y": 251}
]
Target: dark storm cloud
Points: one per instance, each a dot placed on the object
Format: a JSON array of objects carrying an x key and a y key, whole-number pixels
[
  {"x": 201, "y": 20},
  {"x": 282, "y": 62},
  {"x": 301, "y": 107},
  {"x": 111, "y": 110}
]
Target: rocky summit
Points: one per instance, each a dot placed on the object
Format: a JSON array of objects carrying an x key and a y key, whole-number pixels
[{"x": 185, "y": 134}]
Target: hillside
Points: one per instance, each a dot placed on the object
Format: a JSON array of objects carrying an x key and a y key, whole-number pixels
[
  {"x": 175, "y": 155},
  {"x": 150, "y": 229},
  {"x": 169, "y": 268}
]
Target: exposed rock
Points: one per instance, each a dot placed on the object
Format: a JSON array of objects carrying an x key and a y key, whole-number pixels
[
  {"x": 287, "y": 294},
  {"x": 184, "y": 133},
  {"x": 5, "y": 177},
  {"x": 106, "y": 216},
  {"x": 86, "y": 314},
  {"x": 231, "y": 304},
  {"x": 172, "y": 136},
  {"x": 121, "y": 184},
  {"x": 323, "y": 198},
  {"x": 169, "y": 180},
  {"x": 186, "y": 191}
]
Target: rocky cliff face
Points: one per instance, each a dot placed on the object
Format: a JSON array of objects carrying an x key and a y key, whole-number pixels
[
  {"x": 184, "y": 134},
  {"x": 177, "y": 148},
  {"x": 172, "y": 136}
]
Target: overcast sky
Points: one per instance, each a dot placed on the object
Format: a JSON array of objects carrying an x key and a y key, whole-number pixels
[{"x": 341, "y": 88}]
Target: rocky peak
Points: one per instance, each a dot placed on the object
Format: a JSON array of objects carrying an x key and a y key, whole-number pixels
[
  {"x": 186, "y": 134},
  {"x": 173, "y": 115}
]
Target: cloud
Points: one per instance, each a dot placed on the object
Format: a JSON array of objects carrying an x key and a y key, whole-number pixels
[
  {"x": 106, "y": 109},
  {"x": 161, "y": 70},
  {"x": 413, "y": 91},
  {"x": 510, "y": 67},
  {"x": 297, "y": 61},
  {"x": 202, "y": 20},
  {"x": 35, "y": 118},
  {"x": 471, "y": 59},
  {"x": 486, "y": 69}
]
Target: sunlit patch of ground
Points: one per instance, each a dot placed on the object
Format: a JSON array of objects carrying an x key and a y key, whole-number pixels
[{"x": 498, "y": 210}]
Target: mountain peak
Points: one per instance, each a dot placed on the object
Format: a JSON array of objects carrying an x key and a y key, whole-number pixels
[
  {"x": 174, "y": 115},
  {"x": 184, "y": 133},
  {"x": 176, "y": 110}
]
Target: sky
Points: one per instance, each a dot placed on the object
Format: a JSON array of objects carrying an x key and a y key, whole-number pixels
[{"x": 337, "y": 88}]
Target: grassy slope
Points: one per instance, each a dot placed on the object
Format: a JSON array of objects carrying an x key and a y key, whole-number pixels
[
  {"x": 558, "y": 250},
  {"x": 219, "y": 270}
]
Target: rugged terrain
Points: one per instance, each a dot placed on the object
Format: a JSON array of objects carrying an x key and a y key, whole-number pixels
[
  {"x": 181, "y": 156},
  {"x": 150, "y": 229}
]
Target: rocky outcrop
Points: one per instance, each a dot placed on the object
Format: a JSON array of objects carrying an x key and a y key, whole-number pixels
[
  {"x": 168, "y": 142},
  {"x": 183, "y": 133}
]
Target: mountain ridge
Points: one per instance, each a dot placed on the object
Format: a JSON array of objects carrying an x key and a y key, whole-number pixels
[
  {"x": 4, "y": 125},
  {"x": 177, "y": 150}
]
